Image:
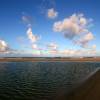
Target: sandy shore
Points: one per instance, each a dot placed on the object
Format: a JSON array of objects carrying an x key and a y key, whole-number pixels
[
  {"x": 91, "y": 59},
  {"x": 89, "y": 90}
]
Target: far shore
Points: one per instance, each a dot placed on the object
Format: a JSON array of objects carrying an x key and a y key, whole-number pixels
[{"x": 48, "y": 59}]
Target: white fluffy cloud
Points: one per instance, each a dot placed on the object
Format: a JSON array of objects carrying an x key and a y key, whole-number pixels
[
  {"x": 75, "y": 26},
  {"x": 33, "y": 38},
  {"x": 83, "y": 41},
  {"x": 5, "y": 49},
  {"x": 51, "y": 13},
  {"x": 3, "y": 46},
  {"x": 83, "y": 21},
  {"x": 72, "y": 26}
]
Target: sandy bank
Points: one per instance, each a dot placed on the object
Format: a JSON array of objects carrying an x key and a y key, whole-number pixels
[
  {"x": 90, "y": 90},
  {"x": 91, "y": 59}
]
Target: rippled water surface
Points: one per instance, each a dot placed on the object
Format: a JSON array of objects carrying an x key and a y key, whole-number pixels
[{"x": 41, "y": 80}]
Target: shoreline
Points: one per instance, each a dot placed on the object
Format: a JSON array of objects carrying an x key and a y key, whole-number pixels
[
  {"x": 26, "y": 59},
  {"x": 84, "y": 89},
  {"x": 88, "y": 90}
]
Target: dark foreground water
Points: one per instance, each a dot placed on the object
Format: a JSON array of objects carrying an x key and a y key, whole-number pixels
[{"x": 41, "y": 80}]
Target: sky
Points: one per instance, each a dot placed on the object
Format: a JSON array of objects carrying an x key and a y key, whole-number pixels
[{"x": 49, "y": 28}]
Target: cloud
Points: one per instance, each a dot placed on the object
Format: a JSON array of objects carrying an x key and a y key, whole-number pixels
[
  {"x": 72, "y": 26},
  {"x": 33, "y": 38},
  {"x": 75, "y": 27},
  {"x": 26, "y": 19},
  {"x": 45, "y": 4},
  {"x": 69, "y": 53},
  {"x": 52, "y": 46},
  {"x": 94, "y": 46},
  {"x": 80, "y": 52},
  {"x": 5, "y": 49},
  {"x": 34, "y": 41},
  {"x": 83, "y": 21},
  {"x": 51, "y": 13},
  {"x": 3, "y": 46},
  {"x": 83, "y": 41},
  {"x": 34, "y": 46}
]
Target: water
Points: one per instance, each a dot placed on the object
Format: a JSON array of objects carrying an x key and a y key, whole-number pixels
[{"x": 41, "y": 80}]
